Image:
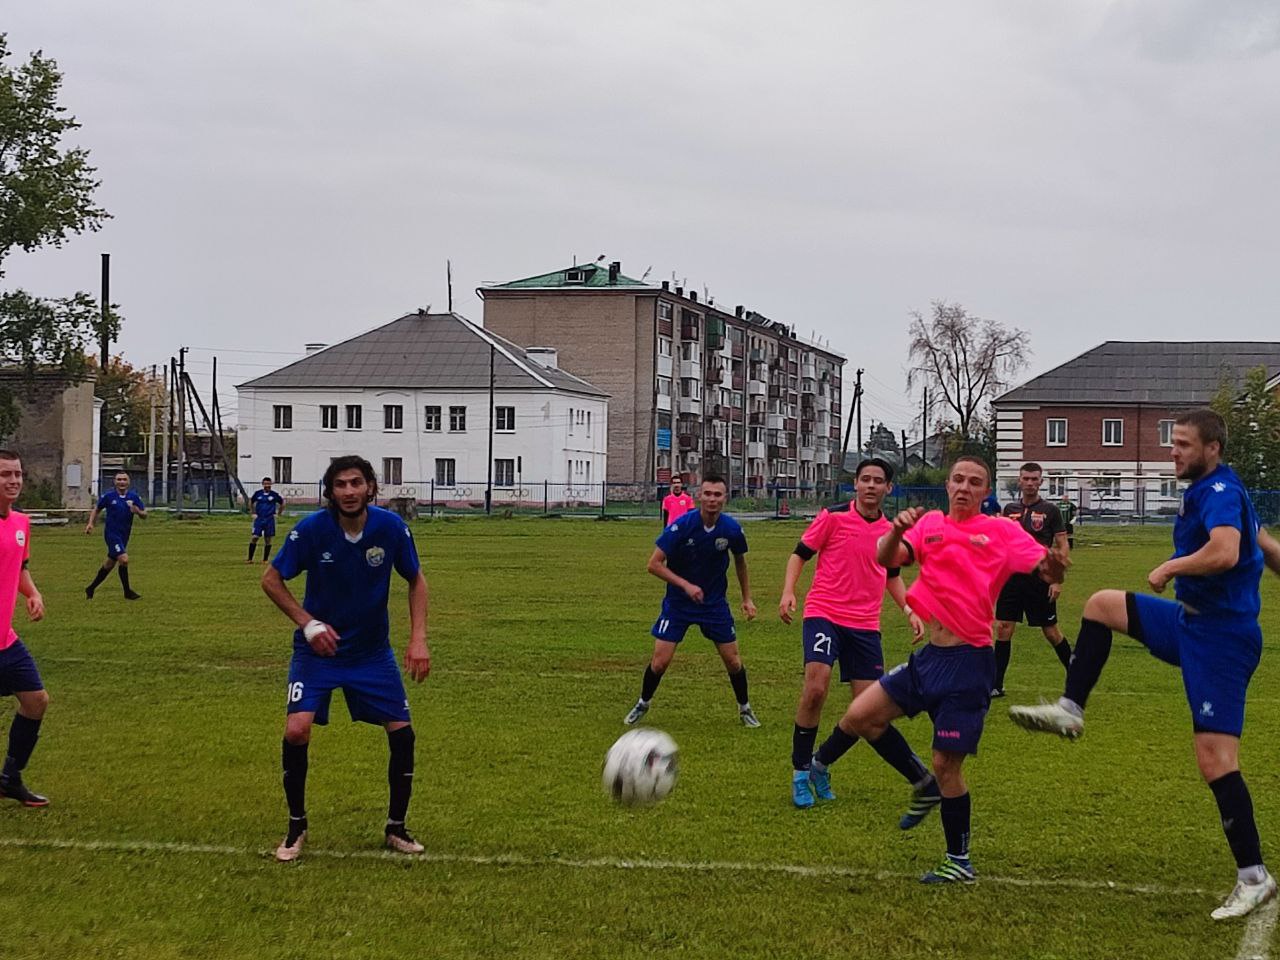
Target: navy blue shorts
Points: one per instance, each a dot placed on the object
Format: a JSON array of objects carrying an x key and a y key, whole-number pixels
[
  {"x": 18, "y": 673},
  {"x": 1217, "y": 655},
  {"x": 716, "y": 624},
  {"x": 117, "y": 544},
  {"x": 951, "y": 684},
  {"x": 372, "y": 686},
  {"x": 858, "y": 651},
  {"x": 264, "y": 526}
]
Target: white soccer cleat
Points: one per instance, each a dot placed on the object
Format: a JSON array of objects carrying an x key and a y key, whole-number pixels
[
  {"x": 1049, "y": 718},
  {"x": 399, "y": 840},
  {"x": 290, "y": 847},
  {"x": 1245, "y": 898}
]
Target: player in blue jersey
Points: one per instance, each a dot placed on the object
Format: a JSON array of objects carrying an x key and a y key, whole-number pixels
[
  {"x": 692, "y": 556},
  {"x": 118, "y": 506},
  {"x": 1210, "y": 631},
  {"x": 343, "y": 638},
  {"x": 266, "y": 505}
]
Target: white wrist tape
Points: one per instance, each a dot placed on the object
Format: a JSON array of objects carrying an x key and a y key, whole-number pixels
[{"x": 313, "y": 629}]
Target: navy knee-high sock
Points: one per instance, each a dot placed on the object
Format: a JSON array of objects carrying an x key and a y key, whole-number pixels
[
  {"x": 1004, "y": 650},
  {"x": 649, "y": 685},
  {"x": 293, "y": 758},
  {"x": 400, "y": 773},
  {"x": 1235, "y": 807},
  {"x": 802, "y": 739},
  {"x": 23, "y": 735},
  {"x": 955, "y": 824},
  {"x": 835, "y": 746},
  {"x": 1093, "y": 646},
  {"x": 895, "y": 751},
  {"x": 739, "y": 681}
]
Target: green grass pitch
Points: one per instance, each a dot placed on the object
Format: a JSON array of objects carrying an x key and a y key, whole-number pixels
[{"x": 160, "y": 753}]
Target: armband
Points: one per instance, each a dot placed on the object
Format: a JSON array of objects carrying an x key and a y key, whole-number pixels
[{"x": 804, "y": 551}]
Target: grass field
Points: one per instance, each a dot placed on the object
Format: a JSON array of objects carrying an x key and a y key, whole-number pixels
[{"x": 161, "y": 755}]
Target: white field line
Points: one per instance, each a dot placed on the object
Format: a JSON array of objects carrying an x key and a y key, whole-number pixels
[
  {"x": 596, "y": 863},
  {"x": 1256, "y": 942}
]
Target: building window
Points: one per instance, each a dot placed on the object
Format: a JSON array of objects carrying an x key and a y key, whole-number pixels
[
  {"x": 1055, "y": 485},
  {"x": 392, "y": 417},
  {"x": 283, "y": 416},
  {"x": 282, "y": 469},
  {"x": 588, "y": 423},
  {"x": 1112, "y": 433},
  {"x": 664, "y": 386},
  {"x": 355, "y": 416},
  {"x": 690, "y": 351},
  {"x": 445, "y": 475},
  {"x": 690, "y": 388},
  {"x": 392, "y": 471},
  {"x": 1169, "y": 486},
  {"x": 1055, "y": 433},
  {"x": 506, "y": 417},
  {"x": 328, "y": 417},
  {"x": 664, "y": 347},
  {"x": 431, "y": 419},
  {"x": 664, "y": 310},
  {"x": 504, "y": 473},
  {"x": 1166, "y": 433},
  {"x": 457, "y": 419},
  {"x": 1107, "y": 485}
]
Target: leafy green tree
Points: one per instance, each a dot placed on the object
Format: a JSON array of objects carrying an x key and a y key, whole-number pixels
[
  {"x": 46, "y": 196},
  {"x": 127, "y": 395},
  {"x": 1252, "y": 413}
]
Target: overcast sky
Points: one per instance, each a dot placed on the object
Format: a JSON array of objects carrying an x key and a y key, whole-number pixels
[{"x": 293, "y": 171}]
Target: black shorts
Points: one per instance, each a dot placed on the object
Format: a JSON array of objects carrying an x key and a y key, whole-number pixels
[{"x": 1027, "y": 595}]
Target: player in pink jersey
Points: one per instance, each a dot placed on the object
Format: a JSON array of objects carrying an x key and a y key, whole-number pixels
[
  {"x": 842, "y": 622},
  {"x": 18, "y": 673},
  {"x": 676, "y": 503},
  {"x": 965, "y": 558}
]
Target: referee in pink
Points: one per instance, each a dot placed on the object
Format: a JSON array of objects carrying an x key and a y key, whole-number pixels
[
  {"x": 18, "y": 673},
  {"x": 676, "y": 503},
  {"x": 965, "y": 558}
]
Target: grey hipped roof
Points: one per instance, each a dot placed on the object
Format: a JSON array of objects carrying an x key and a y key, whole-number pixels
[
  {"x": 1158, "y": 371},
  {"x": 440, "y": 351}
]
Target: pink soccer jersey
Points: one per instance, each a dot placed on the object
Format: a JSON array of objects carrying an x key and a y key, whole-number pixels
[
  {"x": 15, "y": 547},
  {"x": 848, "y": 584},
  {"x": 962, "y": 568},
  {"x": 674, "y": 507}
]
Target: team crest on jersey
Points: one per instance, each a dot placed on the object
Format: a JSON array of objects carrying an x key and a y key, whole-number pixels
[
  {"x": 722, "y": 544},
  {"x": 979, "y": 539},
  {"x": 21, "y": 537},
  {"x": 1037, "y": 522},
  {"x": 293, "y": 534},
  {"x": 1219, "y": 487},
  {"x": 374, "y": 556}
]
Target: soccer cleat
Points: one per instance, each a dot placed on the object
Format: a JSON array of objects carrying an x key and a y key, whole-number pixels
[
  {"x": 801, "y": 792},
  {"x": 398, "y": 839},
  {"x": 951, "y": 871},
  {"x": 291, "y": 846},
  {"x": 1245, "y": 897},
  {"x": 748, "y": 717},
  {"x": 997, "y": 693},
  {"x": 820, "y": 778},
  {"x": 88, "y": 593},
  {"x": 923, "y": 800},
  {"x": 15, "y": 789},
  {"x": 133, "y": 596},
  {"x": 638, "y": 711},
  {"x": 1049, "y": 718}
]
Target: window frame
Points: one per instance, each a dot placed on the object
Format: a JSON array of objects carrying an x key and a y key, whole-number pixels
[
  {"x": 498, "y": 467},
  {"x": 458, "y": 415},
  {"x": 427, "y": 417},
  {"x": 393, "y": 418},
  {"x": 282, "y": 469},
  {"x": 449, "y": 467},
  {"x": 1049, "y": 423},
  {"x": 1161, "y": 427},
  {"x": 393, "y": 471},
  {"x": 1113, "y": 420},
  {"x": 328, "y": 422},
  {"x": 498, "y": 417},
  {"x": 282, "y": 416},
  {"x": 355, "y": 412}
]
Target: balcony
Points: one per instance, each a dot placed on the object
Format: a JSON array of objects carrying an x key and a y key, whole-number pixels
[
  {"x": 809, "y": 370},
  {"x": 688, "y": 331},
  {"x": 756, "y": 388},
  {"x": 757, "y": 356},
  {"x": 755, "y": 450},
  {"x": 756, "y": 418},
  {"x": 772, "y": 452},
  {"x": 739, "y": 349},
  {"x": 690, "y": 370},
  {"x": 691, "y": 405},
  {"x": 808, "y": 386},
  {"x": 715, "y": 373},
  {"x": 687, "y": 441},
  {"x": 808, "y": 453},
  {"x": 777, "y": 392},
  {"x": 738, "y": 381},
  {"x": 775, "y": 421}
]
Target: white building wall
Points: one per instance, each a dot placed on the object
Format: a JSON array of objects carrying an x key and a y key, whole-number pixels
[{"x": 545, "y": 445}]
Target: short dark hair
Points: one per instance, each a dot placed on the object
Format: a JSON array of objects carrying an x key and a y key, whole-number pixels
[
  {"x": 875, "y": 462},
  {"x": 715, "y": 478},
  {"x": 10, "y": 455},
  {"x": 971, "y": 458},
  {"x": 1030, "y": 467},
  {"x": 677, "y": 479},
  {"x": 267, "y": 480},
  {"x": 1208, "y": 423},
  {"x": 349, "y": 462}
]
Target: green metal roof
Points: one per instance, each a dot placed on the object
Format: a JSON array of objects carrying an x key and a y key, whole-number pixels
[{"x": 595, "y": 276}]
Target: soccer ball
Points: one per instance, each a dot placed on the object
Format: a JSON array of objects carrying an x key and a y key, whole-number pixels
[{"x": 640, "y": 769}]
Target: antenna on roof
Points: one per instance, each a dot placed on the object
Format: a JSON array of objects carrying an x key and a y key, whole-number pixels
[
  {"x": 599, "y": 258},
  {"x": 646, "y": 273},
  {"x": 448, "y": 272}
]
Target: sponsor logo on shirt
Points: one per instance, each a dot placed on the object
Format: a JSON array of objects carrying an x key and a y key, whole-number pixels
[
  {"x": 979, "y": 539},
  {"x": 326, "y": 557},
  {"x": 374, "y": 556},
  {"x": 934, "y": 538},
  {"x": 1219, "y": 487},
  {"x": 21, "y": 537},
  {"x": 722, "y": 544}
]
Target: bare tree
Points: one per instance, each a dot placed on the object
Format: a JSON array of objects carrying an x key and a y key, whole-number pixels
[{"x": 964, "y": 359}]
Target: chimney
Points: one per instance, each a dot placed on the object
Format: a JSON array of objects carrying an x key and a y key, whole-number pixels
[
  {"x": 679, "y": 291},
  {"x": 544, "y": 357},
  {"x": 737, "y": 311},
  {"x": 666, "y": 284},
  {"x": 615, "y": 268},
  {"x": 314, "y": 347},
  {"x": 693, "y": 295}
]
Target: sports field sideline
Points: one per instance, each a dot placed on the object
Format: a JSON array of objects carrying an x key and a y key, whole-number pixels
[{"x": 161, "y": 756}]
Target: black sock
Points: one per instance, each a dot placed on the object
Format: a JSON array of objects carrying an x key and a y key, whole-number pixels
[
  {"x": 293, "y": 758},
  {"x": 896, "y": 752},
  {"x": 1093, "y": 646},
  {"x": 400, "y": 773},
  {"x": 955, "y": 824},
  {"x": 101, "y": 575},
  {"x": 739, "y": 681},
  {"x": 123, "y": 570},
  {"x": 1236, "y": 809},
  {"x": 22, "y": 740},
  {"x": 266, "y": 551},
  {"x": 1004, "y": 649},
  {"x": 253, "y": 546},
  {"x": 1063, "y": 650},
  {"x": 649, "y": 686},
  {"x": 802, "y": 739},
  {"x": 835, "y": 746}
]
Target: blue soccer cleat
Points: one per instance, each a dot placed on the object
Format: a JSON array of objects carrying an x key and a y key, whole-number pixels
[
  {"x": 923, "y": 800},
  {"x": 951, "y": 870},
  {"x": 801, "y": 792},
  {"x": 820, "y": 778}
]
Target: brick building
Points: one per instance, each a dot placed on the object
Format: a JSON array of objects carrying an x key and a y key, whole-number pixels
[
  {"x": 1101, "y": 424},
  {"x": 693, "y": 388}
]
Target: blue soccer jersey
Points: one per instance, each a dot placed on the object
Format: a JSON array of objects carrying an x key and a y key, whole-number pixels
[
  {"x": 117, "y": 517},
  {"x": 1219, "y": 499},
  {"x": 348, "y": 583},
  {"x": 264, "y": 503},
  {"x": 701, "y": 556}
]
